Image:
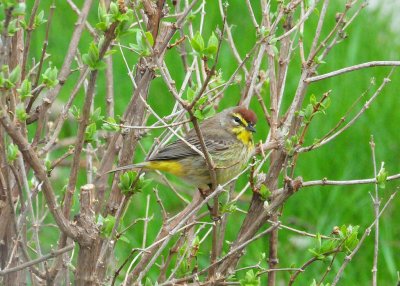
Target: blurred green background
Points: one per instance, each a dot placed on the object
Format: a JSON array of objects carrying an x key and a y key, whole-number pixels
[{"x": 316, "y": 209}]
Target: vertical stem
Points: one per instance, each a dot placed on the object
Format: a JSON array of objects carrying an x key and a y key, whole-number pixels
[
  {"x": 377, "y": 203},
  {"x": 273, "y": 253},
  {"x": 28, "y": 38},
  {"x": 215, "y": 237}
]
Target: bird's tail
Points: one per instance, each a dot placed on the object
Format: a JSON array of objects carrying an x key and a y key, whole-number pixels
[{"x": 129, "y": 167}]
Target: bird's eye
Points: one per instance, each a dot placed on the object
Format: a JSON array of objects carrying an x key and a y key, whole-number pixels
[{"x": 237, "y": 120}]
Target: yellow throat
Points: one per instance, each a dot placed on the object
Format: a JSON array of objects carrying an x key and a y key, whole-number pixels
[{"x": 244, "y": 135}]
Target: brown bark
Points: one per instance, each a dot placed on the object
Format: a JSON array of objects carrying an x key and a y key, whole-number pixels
[
  {"x": 133, "y": 115},
  {"x": 88, "y": 253}
]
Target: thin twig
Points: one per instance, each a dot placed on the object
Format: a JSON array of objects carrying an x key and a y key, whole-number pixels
[
  {"x": 376, "y": 202},
  {"x": 385, "y": 81},
  {"x": 28, "y": 38},
  {"x": 326, "y": 182},
  {"x": 31, "y": 158},
  {"x": 308, "y": 263},
  {"x": 230, "y": 253},
  {"x": 366, "y": 233},
  {"x": 353, "y": 68},
  {"x": 66, "y": 67},
  {"x": 45, "y": 257},
  {"x": 41, "y": 61},
  {"x": 89, "y": 27}
]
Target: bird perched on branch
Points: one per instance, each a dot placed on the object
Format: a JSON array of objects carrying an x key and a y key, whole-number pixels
[{"x": 228, "y": 137}]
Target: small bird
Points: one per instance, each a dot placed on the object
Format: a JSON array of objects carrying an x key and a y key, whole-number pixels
[{"x": 229, "y": 140}]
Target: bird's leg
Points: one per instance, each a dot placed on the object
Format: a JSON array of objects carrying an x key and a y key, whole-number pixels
[{"x": 205, "y": 193}]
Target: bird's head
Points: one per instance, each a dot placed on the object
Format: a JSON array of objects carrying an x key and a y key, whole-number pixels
[{"x": 241, "y": 121}]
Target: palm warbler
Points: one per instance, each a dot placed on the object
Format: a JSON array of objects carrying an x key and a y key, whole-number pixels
[{"x": 228, "y": 138}]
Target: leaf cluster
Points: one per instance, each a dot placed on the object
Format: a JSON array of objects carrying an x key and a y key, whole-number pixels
[
  {"x": 131, "y": 183},
  {"x": 345, "y": 241},
  {"x": 198, "y": 45},
  {"x": 313, "y": 108},
  {"x": 201, "y": 109}
]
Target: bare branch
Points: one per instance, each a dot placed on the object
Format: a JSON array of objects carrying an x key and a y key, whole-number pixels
[
  {"x": 32, "y": 159},
  {"x": 28, "y": 264},
  {"x": 353, "y": 68},
  {"x": 352, "y": 121}
]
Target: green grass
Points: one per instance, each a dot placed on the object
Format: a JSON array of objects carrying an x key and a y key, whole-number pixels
[{"x": 316, "y": 209}]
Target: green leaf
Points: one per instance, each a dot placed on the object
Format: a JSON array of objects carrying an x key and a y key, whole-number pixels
[
  {"x": 139, "y": 39},
  {"x": 382, "y": 176},
  {"x": 100, "y": 65},
  {"x": 191, "y": 17},
  {"x": 12, "y": 27},
  {"x": 201, "y": 101},
  {"x": 208, "y": 111},
  {"x": 323, "y": 247},
  {"x": 50, "y": 77},
  {"x": 126, "y": 181},
  {"x": 198, "y": 114},
  {"x": 47, "y": 165},
  {"x": 308, "y": 112},
  {"x": 197, "y": 43},
  {"x": 273, "y": 41},
  {"x": 148, "y": 282},
  {"x": 141, "y": 184},
  {"x": 313, "y": 100},
  {"x": 90, "y": 132},
  {"x": 124, "y": 28},
  {"x": 196, "y": 242},
  {"x": 75, "y": 112},
  {"x": 275, "y": 50},
  {"x": 109, "y": 53},
  {"x": 39, "y": 20},
  {"x": 23, "y": 24},
  {"x": 110, "y": 125},
  {"x": 265, "y": 193},
  {"x": 100, "y": 220},
  {"x": 19, "y": 9},
  {"x": 230, "y": 207},
  {"x": 20, "y": 113},
  {"x": 183, "y": 268},
  {"x": 113, "y": 8},
  {"x": 149, "y": 38},
  {"x": 351, "y": 238},
  {"x": 96, "y": 115},
  {"x": 2, "y": 79},
  {"x": 102, "y": 26},
  {"x": 329, "y": 245},
  {"x": 212, "y": 45},
  {"x": 264, "y": 32},
  {"x": 92, "y": 56},
  {"x": 15, "y": 75},
  {"x": 124, "y": 239},
  {"x": 12, "y": 152},
  {"x": 25, "y": 90},
  {"x": 141, "y": 46},
  {"x": 104, "y": 19},
  {"x": 108, "y": 225},
  {"x": 319, "y": 60},
  {"x": 250, "y": 279},
  {"x": 101, "y": 13},
  {"x": 190, "y": 94},
  {"x": 290, "y": 143}
]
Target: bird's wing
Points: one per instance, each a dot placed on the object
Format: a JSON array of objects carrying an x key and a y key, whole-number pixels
[{"x": 179, "y": 149}]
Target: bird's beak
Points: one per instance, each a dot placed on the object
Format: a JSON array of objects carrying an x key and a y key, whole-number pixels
[{"x": 250, "y": 127}]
